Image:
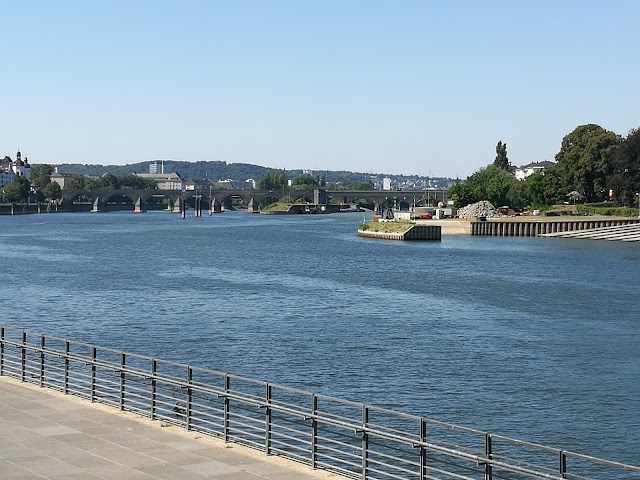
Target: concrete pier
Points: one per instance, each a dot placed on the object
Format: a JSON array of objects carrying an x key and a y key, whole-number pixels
[
  {"x": 48, "y": 435},
  {"x": 414, "y": 232}
]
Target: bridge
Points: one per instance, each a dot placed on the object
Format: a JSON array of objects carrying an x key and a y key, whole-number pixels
[{"x": 137, "y": 200}]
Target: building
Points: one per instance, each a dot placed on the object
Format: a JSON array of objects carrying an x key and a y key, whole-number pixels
[
  {"x": 197, "y": 185},
  {"x": 527, "y": 170},
  {"x": 386, "y": 183},
  {"x": 63, "y": 179},
  {"x": 159, "y": 167},
  {"x": 165, "y": 181},
  {"x": 10, "y": 169}
]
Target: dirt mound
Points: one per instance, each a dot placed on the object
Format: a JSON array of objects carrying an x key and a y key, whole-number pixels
[{"x": 483, "y": 208}]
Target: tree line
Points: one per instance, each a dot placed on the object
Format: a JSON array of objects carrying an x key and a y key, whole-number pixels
[
  {"x": 41, "y": 186},
  {"x": 594, "y": 164},
  {"x": 278, "y": 180}
]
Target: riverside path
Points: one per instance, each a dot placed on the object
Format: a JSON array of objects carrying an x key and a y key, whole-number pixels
[{"x": 48, "y": 435}]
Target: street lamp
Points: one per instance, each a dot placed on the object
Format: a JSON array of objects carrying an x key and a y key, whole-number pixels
[{"x": 638, "y": 195}]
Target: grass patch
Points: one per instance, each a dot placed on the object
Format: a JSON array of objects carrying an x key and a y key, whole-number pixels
[
  {"x": 276, "y": 207},
  {"x": 597, "y": 209},
  {"x": 386, "y": 227}
]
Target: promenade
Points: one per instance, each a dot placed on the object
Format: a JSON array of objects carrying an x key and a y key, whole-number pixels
[{"x": 45, "y": 434}]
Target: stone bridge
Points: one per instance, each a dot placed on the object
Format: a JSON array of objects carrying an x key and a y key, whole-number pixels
[
  {"x": 219, "y": 200},
  {"x": 141, "y": 200}
]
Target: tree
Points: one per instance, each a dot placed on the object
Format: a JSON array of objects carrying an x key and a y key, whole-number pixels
[
  {"x": 76, "y": 183},
  {"x": 491, "y": 183},
  {"x": 305, "y": 181},
  {"x": 109, "y": 180},
  {"x": 272, "y": 181},
  {"x": 586, "y": 158},
  {"x": 53, "y": 190},
  {"x": 502, "y": 161},
  {"x": 40, "y": 175},
  {"x": 351, "y": 185},
  {"x": 625, "y": 177},
  {"x": 129, "y": 180},
  {"x": 533, "y": 187},
  {"x": 16, "y": 191}
]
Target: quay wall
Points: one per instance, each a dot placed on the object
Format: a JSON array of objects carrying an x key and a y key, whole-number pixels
[
  {"x": 416, "y": 232},
  {"x": 496, "y": 228}
]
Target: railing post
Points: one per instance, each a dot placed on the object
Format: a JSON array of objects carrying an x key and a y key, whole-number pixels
[
  {"x": 314, "y": 431},
  {"x": 42, "y": 343},
  {"x": 123, "y": 360},
  {"x": 563, "y": 464},
  {"x": 1, "y": 351},
  {"x": 423, "y": 451},
  {"x": 94, "y": 356},
  {"x": 267, "y": 420},
  {"x": 365, "y": 443},
  {"x": 189, "y": 401},
  {"x": 66, "y": 367},
  {"x": 225, "y": 411},
  {"x": 488, "y": 453},
  {"x": 23, "y": 357},
  {"x": 154, "y": 369}
]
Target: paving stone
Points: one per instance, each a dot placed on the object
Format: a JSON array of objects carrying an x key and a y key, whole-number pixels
[{"x": 46, "y": 434}]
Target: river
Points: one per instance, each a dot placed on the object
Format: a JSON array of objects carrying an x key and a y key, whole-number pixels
[{"x": 528, "y": 337}]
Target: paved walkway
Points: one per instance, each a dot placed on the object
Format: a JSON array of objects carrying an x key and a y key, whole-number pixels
[{"x": 45, "y": 434}]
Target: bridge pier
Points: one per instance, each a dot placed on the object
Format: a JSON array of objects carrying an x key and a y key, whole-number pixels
[
  {"x": 252, "y": 207},
  {"x": 215, "y": 206},
  {"x": 138, "y": 206},
  {"x": 198, "y": 206},
  {"x": 99, "y": 205}
]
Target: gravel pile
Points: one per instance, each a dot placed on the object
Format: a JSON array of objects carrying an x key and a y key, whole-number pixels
[{"x": 479, "y": 209}]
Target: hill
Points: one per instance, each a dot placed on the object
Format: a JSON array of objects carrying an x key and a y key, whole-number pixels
[{"x": 220, "y": 170}]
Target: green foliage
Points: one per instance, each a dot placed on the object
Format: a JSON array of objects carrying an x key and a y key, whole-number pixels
[
  {"x": 114, "y": 182},
  {"x": 502, "y": 161},
  {"x": 41, "y": 175},
  {"x": 53, "y": 190},
  {"x": 16, "y": 191},
  {"x": 305, "y": 181},
  {"x": 272, "y": 181},
  {"x": 491, "y": 183},
  {"x": 136, "y": 182},
  {"x": 585, "y": 159},
  {"x": 75, "y": 183},
  {"x": 595, "y": 209},
  {"x": 275, "y": 207},
  {"x": 362, "y": 185},
  {"x": 625, "y": 170},
  {"x": 534, "y": 189}
]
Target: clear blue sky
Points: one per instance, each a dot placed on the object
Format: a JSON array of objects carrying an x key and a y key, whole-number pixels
[{"x": 394, "y": 86}]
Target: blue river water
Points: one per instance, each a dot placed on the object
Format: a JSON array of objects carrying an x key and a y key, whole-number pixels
[{"x": 534, "y": 338}]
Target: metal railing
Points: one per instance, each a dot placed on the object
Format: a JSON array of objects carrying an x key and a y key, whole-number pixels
[{"x": 348, "y": 438}]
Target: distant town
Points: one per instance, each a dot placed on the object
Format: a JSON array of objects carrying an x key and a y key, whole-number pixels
[{"x": 179, "y": 175}]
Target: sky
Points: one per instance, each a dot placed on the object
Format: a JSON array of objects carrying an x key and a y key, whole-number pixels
[{"x": 412, "y": 87}]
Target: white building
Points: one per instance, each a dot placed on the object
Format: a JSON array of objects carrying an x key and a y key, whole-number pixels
[
  {"x": 527, "y": 170},
  {"x": 166, "y": 181},
  {"x": 159, "y": 167},
  {"x": 10, "y": 169},
  {"x": 386, "y": 183}
]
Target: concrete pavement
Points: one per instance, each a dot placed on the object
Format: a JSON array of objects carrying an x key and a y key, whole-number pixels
[{"x": 45, "y": 434}]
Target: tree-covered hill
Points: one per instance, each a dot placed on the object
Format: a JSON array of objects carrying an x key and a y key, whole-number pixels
[{"x": 219, "y": 170}]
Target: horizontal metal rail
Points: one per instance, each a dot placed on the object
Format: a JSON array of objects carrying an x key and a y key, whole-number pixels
[{"x": 348, "y": 438}]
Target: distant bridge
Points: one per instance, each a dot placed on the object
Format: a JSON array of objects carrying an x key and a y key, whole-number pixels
[{"x": 219, "y": 200}]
